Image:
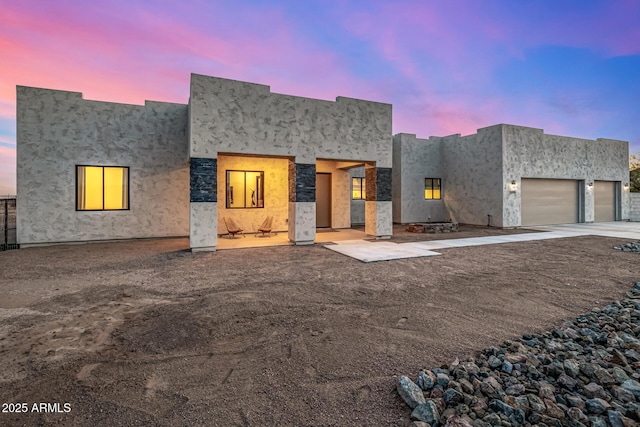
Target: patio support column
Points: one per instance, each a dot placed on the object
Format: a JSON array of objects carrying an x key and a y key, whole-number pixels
[
  {"x": 378, "y": 215},
  {"x": 302, "y": 203},
  {"x": 203, "y": 206}
]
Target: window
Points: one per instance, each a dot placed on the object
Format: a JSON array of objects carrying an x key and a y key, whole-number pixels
[
  {"x": 102, "y": 188},
  {"x": 432, "y": 188},
  {"x": 245, "y": 189},
  {"x": 359, "y": 191}
]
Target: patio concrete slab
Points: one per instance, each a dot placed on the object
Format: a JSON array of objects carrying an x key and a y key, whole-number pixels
[
  {"x": 282, "y": 239},
  {"x": 370, "y": 251},
  {"x": 384, "y": 251}
]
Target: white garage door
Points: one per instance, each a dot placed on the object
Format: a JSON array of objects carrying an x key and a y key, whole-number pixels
[
  {"x": 605, "y": 202},
  {"x": 549, "y": 201}
]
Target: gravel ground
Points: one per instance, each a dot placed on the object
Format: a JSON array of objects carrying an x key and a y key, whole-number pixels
[
  {"x": 583, "y": 373},
  {"x": 147, "y": 333}
]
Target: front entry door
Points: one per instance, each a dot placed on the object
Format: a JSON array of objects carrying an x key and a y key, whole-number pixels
[{"x": 323, "y": 200}]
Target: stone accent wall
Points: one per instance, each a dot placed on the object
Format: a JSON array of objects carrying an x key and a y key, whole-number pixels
[
  {"x": 635, "y": 207},
  {"x": 383, "y": 184},
  {"x": 204, "y": 180},
  {"x": 305, "y": 182}
]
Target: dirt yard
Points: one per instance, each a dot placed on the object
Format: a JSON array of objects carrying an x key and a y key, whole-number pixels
[{"x": 147, "y": 333}]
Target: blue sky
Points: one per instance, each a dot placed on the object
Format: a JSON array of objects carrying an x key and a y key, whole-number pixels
[{"x": 568, "y": 67}]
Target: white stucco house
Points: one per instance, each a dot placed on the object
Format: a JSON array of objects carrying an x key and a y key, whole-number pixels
[
  {"x": 509, "y": 176},
  {"x": 92, "y": 171}
]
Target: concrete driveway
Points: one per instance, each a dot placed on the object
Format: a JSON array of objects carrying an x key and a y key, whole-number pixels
[
  {"x": 370, "y": 251},
  {"x": 622, "y": 229}
]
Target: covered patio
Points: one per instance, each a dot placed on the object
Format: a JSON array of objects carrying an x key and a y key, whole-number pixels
[{"x": 282, "y": 239}]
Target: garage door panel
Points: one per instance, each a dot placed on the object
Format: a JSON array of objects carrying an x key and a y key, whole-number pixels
[
  {"x": 549, "y": 201},
  {"x": 605, "y": 203}
]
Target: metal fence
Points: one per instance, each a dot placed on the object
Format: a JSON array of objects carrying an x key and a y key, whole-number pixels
[{"x": 8, "y": 223}]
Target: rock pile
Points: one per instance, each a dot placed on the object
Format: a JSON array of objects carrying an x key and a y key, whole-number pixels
[
  {"x": 433, "y": 227},
  {"x": 584, "y": 373},
  {"x": 629, "y": 247}
]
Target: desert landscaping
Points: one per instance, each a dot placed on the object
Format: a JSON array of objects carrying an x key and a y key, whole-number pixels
[{"x": 148, "y": 333}]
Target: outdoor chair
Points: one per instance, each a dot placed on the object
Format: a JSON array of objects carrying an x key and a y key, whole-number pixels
[
  {"x": 266, "y": 227},
  {"x": 232, "y": 227}
]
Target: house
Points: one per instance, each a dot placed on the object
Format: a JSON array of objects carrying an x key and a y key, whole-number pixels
[
  {"x": 90, "y": 170},
  {"x": 509, "y": 176}
]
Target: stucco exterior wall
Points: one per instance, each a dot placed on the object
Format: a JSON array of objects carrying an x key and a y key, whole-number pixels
[
  {"x": 233, "y": 117},
  {"x": 229, "y": 116},
  {"x": 530, "y": 153},
  {"x": 276, "y": 193},
  {"x": 357, "y": 206},
  {"x": 57, "y": 130},
  {"x": 473, "y": 177},
  {"x": 414, "y": 160},
  {"x": 634, "y": 211}
]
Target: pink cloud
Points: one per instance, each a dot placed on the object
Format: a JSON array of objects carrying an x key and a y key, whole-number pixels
[
  {"x": 7, "y": 109},
  {"x": 151, "y": 55},
  {"x": 131, "y": 55}
]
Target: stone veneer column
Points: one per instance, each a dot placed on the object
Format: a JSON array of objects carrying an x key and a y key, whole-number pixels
[
  {"x": 302, "y": 203},
  {"x": 378, "y": 213},
  {"x": 203, "y": 207}
]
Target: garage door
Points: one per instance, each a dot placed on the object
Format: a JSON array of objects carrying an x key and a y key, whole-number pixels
[
  {"x": 549, "y": 201},
  {"x": 605, "y": 202}
]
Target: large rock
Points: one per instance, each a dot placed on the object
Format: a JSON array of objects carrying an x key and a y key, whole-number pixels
[
  {"x": 604, "y": 377},
  {"x": 585, "y": 373},
  {"x": 442, "y": 379},
  {"x": 515, "y": 390},
  {"x": 546, "y": 390},
  {"x": 535, "y": 403},
  {"x": 577, "y": 414},
  {"x": 410, "y": 392},
  {"x": 456, "y": 421},
  {"x": 567, "y": 382},
  {"x": 426, "y": 412},
  {"x": 553, "y": 410},
  {"x": 571, "y": 368},
  {"x": 615, "y": 418},
  {"x": 622, "y": 394},
  {"x": 516, "y": 415},
  {"x": 453, "y": 397},
  {"x": 597, "y": 406},
  {"x": 466, "y": 386},
  {"x": 633, "y": 386},
  {"x": 426, "y": 380},
  {"x": 593, "y": 390}
]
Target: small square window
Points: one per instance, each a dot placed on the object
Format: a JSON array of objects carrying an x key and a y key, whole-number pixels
[
  {"x": 432, "y": 189},
  {"x": 359, "y": 191},
  {"x": 102, "y": 188},
  {"x": 245, "y": 189}
]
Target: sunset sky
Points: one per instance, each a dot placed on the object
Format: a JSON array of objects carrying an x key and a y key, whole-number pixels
[{"x": 569, "y": 67}]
